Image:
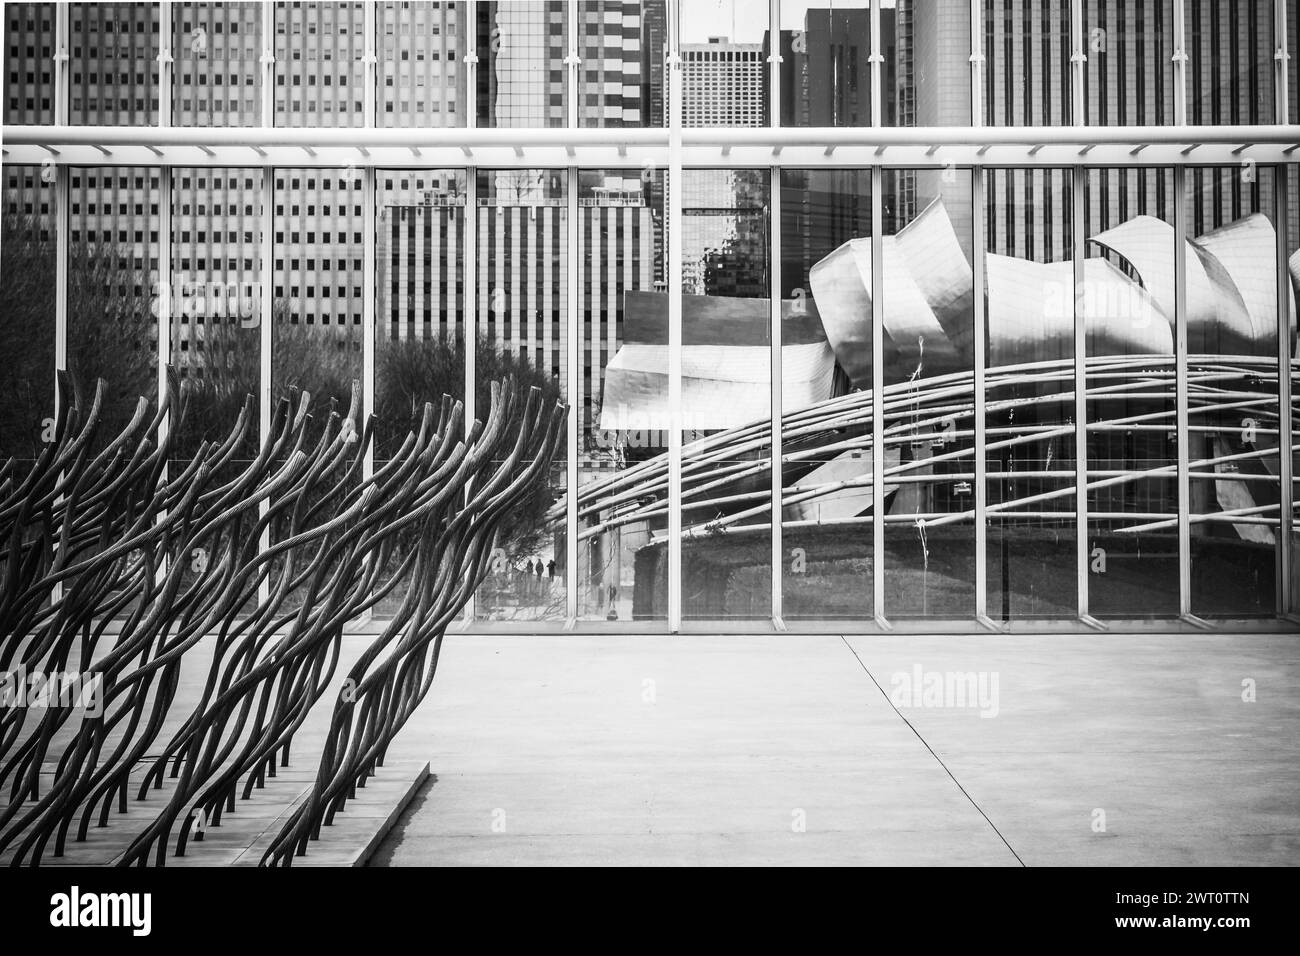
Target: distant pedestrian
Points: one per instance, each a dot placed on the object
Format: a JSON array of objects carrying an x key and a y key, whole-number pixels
[
  {"x": 550, "y": 569},
  {"x": 539, "y": 569}
]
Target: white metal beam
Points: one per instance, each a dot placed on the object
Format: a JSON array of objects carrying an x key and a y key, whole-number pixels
[{"x": 798, "y": 147}]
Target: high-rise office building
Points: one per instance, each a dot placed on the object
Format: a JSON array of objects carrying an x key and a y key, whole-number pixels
[
  {"x": 1128, "y": 80},
  {"x": 317, "y": 217},
  {"x": 723, "y": 83}
]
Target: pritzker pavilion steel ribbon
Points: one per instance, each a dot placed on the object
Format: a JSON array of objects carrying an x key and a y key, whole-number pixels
[
  {"x": 93, "y": 539},
  {"x": 827, "y": 454}
]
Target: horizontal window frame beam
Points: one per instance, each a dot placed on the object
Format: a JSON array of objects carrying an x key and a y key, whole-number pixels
[{"x": 912, "y": 147}]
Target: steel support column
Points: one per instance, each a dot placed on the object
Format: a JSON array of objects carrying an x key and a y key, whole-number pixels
[
  {"x": 776, "y": 402},
  {"x": 1181, "y": 392},
  {"x": 674, "y": 272},
  {"x": 877, "y": 399}
]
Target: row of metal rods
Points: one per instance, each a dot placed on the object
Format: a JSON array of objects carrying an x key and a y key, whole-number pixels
[{"x": 95, "y": 539}]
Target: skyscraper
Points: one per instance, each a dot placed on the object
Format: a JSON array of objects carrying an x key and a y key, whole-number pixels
[
  {"x": 317, "y": 217},
  {"x": 723, "y": 83}
]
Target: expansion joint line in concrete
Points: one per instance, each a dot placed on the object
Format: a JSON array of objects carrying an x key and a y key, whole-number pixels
[{"x": 927, "y": 746}]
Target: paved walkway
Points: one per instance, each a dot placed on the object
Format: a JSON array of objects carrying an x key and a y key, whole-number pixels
[{"x": 787, "y": 749}]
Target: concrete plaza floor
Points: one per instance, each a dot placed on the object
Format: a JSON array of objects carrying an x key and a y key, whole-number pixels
[{"x": 788, "y": 749}]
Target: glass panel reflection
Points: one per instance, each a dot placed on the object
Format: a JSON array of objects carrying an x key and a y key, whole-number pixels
[
  {"x": 27, "y": 288},
  {"x": 929, "y": 363},
  {"x": 522, "y": 320},
  {"x": 826, "y": 508},
  {"x": 1128, "y": 310},
  {"x": 217, "y": 71},
  {"x": 112, "y": 281},
  {"x": 319, "y": 69},
  {"x": 113, "y": 64},
  {"x": 521, "y": 72},
  {"x": 726, "y": 396},
  {"x": 928, "y": 64},
  {"x": 621, "y": 76},
  {"x": 1029, "y": 395},
  {"x": 624, "y": 324},
  {"x": 1128, "y": 77},
  {"x": 419, "y": 320},
  {"x": 825, "y": 63},
  {"x": 724, "y": 51},
  {"x": 421, "y": 72},
  {"x": 112, "y": 315},
  {"x": 1230, "y": 56},
  {"x": 1232, "y": 329},
  {"x": 1027, "y": 63},
  {"x": 29, "y": 63},
  {"x": 316, "y": 334},
  {"x": 216, "y": 318}
]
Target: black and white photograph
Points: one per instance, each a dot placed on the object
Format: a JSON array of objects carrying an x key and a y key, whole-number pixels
[{"x": 648, "y": 434}]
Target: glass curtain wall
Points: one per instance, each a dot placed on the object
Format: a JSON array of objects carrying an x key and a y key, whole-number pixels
[{"x": 1121, "y": 60}]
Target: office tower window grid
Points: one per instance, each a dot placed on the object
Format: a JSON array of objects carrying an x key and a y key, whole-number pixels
[{"x": 217, "y": 75}]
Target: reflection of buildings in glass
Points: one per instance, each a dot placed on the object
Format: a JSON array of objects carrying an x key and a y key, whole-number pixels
[
  {"x": 319, "y": 71},
  {"x": 217, "y": 47},
  {"x": 1127, "y": 81},
  {"x": 522, "y": 73},
  {"x": 521, "y": 79},
  {"x": 654, "y": 28},
  {"x": 723, "y": 83},
  {"x": 522, "y": 265},
  {"x": 724, "y": 233},
  {"x": 1128, "y": 314},
  {"x": 421, "y": 69},
  {"x": 826, "y": 69},
  {"x": 616, "y": 236},
  {"x": 826, "y": 81},
  {"x": 417, "y": 263}
]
